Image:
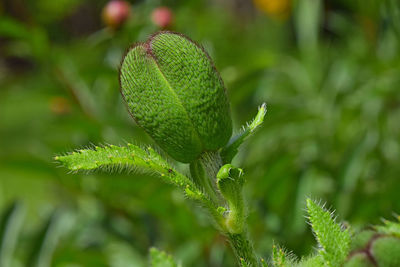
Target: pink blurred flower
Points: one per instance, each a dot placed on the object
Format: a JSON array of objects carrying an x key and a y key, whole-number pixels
[
  {"x": 115, "y": 13},
  {"x": 162, "y": 17}
]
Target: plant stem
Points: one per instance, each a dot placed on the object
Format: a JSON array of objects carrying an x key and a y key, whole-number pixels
[
  {"x": 243, "y": 248},
  {"x": 211, "y": 162},
  {"x": 241, "y": 245},
  {"x": 201, "y": 180}
]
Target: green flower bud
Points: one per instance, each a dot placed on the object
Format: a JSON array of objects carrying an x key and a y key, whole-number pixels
[
  {"x": 386, "y": 251},
  {"x": 174, "y": 92},
  {"x": 379, "y": 246},
  {"x": 230, "y": 182},
  {"x": 360, "y": 259},
  {"x": 361, "y": 239}
]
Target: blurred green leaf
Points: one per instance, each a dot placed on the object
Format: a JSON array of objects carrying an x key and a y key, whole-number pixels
[
  {"x": 10, "y": 27},
  {"x": 10, "y": 227},
  {"x": 46, "y": 241}
]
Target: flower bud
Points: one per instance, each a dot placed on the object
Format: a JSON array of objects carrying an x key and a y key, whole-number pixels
[
  {"x": 374, "y": 248},
  {"x": 359, "y": 259},
  {"x": 230, "y": 181},
  {"x": 162, "y": 17},
  {"x": 174, "y": 92},
  {"x": 361, "y": 239},
  {"x": 274, "y": 8},
  {"x": 115, "y": 13},
  {"x": 386, "y": 251}
]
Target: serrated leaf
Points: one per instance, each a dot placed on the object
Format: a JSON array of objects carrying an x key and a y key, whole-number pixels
[
  {"x": 131, "y": 157},
  {"x": 278, "y": 257},
  {"x": 281, "y": 258},
  {"x": 244, "y": 263},
  {"x": 231, "y": 149},
  {"x": 311, "y": 261},
  {"x": 263, "y": 263},
  {"x": 159, "y": 258},
  {"x": 333, "y": 240},
  {"x": 389, "y": 227},
  {"x": 10, "y": 226}
]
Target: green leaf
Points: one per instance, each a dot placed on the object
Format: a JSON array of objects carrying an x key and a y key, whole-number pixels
[
  {"x": 159, "y": 258},
  {"x": 263, "y": 263},
  {"x": 10, "y": 27},
  {"x": 10, "y": 226},
  {"x": 281, "y": 258},
  {"x": 392, "y": 12},
  {"x": 333, "y": 240},
  {"x": 389, "y": 227},
  {"x": 278, "y": 257},
  {"x": 134, "y": 158},
  {"x": 243, "y": 263},
  {"x": 311, "y": 261},
  {"x": 231, "y": 149},
  {"x": 116, "y": 158}
]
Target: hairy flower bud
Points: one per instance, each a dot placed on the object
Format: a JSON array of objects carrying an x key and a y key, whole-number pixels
[
  {"x": 372, "y": 248},
  {"x": 386, "y": 251},
  {"x": 360, "y": 259},
  {"x": 174, "y": 92}
]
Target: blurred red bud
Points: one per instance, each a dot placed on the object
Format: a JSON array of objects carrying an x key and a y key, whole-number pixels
[
  {"x": 278, "y": 9},
  {"x": 59, "y": 105},
  {"x": 115, "y": 13},
  {"x": 162, "y": 17}
]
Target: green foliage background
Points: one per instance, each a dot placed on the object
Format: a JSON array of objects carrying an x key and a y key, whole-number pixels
[{"x": 329, "y": 72}]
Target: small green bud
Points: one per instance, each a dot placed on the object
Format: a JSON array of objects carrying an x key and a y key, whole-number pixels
[
  {"x": 386, "y": 251},
  {"x": 361, "y": 239},
  {"x": 230, "y": 182},
  {"x": 379, "y": 246},
  {"x": 359, "y": 259},
  {"x": 221, "y": 210},
  {"x": 174, "y": 92}
]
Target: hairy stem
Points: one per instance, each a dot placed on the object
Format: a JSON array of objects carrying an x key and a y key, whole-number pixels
[
  {"x": 237, "y": 236},
  {"x": 202, "y": 180},
  {"x": 211, "y": 162},
  {"x": 235, "y": 220},
  {"x": 243, "y": 248}
]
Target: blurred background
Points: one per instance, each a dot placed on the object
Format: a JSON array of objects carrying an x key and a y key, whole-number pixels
[{"x": 328, "y": 70}]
